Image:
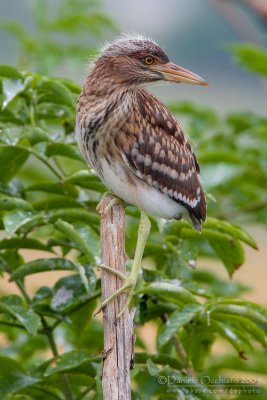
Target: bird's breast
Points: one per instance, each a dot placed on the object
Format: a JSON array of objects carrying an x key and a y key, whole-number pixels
[{"x": 99, "y": 121}]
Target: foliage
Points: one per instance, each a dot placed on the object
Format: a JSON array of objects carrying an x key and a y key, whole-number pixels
[
  {"x": 63, "y": 36},
  {"x": 252, "y": 57},
  {"x": 52, "y": 343}
]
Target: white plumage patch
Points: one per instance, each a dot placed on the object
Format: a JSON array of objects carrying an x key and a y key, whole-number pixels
[{"x": 139, "y": 193}]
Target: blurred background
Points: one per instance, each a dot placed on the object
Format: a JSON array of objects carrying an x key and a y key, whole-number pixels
[{"x": 195, "y": 34}]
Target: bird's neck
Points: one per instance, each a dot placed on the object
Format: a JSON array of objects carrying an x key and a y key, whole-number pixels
[
  {"x": 104, "y": 93},
  {"x": 105, "y": 110}
]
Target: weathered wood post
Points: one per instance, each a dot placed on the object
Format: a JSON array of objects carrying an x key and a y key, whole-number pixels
[{"x": 118, "y": 334}]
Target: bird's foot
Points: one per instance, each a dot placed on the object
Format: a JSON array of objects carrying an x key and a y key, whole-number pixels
[
  {"x": 115, "y": 200},
  {"x": 128, "y": 287},
  {"x": 113, "y": 271}
]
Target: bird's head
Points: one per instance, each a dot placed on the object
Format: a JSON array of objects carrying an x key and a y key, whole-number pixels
[{"x": 136, "y": 60}]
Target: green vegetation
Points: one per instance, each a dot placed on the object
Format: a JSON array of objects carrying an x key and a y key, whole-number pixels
[{"x": 47, "y": 204}]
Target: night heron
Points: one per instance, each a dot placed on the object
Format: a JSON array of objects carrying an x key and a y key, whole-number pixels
[{"x": 134, "y": 143}]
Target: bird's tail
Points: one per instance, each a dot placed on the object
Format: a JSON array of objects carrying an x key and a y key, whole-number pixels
[{"x": 195, "y": 221}]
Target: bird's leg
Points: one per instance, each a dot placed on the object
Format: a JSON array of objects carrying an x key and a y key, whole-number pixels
[{"x": 130, "y": 281}]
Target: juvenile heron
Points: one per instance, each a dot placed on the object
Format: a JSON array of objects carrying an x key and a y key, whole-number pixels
[{"x": 134, "y": 143}]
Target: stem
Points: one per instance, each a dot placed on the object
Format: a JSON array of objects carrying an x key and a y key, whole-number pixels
[
  {"x": 49, "y": 333},
  {"x": 52, "y": 343},
  {"x": 13, "y": 325},
  {"x": 84, "y": 393},
  {"x": 59, "y": 166},
  {"x": 41, "y": 389},
  {"x": 181, "y": 352},
  {"x": 23, "y": 291},
  {"x": 32, "y": 119},
  {"x": 43, "y": 159}
]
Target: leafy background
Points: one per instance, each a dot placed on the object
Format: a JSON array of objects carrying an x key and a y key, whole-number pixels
[{"x": 51, "y": 343}]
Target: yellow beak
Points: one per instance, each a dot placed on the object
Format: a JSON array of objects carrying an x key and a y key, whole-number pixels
[{"x": 174, "y": 73}]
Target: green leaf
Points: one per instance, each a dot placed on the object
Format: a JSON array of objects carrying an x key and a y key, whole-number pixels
[
  {"x": 86, "y": 179},
  {"x": 56, "y": 202},
  {"x": 233, "y": 230},
  {"x": 73, "y": 215},
  {"x": 23, "y": 243},
  {"x": 72, "y": 86},
  {"x": 50, "y": 111},
  {"x": 74, "y": 289},
  {"x": 14, "y": 220},
  {"x": 37, "y": 135},
  {"x": 253, "y": 309},
  {"x": 11, "y": 259},
  {"x": 201, "y": 339},
  {"x": 11, "y": 160},
  {"x": 69, "y": 362},
  {"x": 239, "y": 310},
  {"x": 42, "y": 265},
  {"x": 16, "y": 381},
  {"x": 7, "y": 71},
  {"x": 13, "y": 377},
  {"x": 8, "y": 365},
  {"x": 252, "y": 57},
  {"x": 59, "y": 188},
  {"x": 219, "y": 156},
  {"x": 26, "y": 316},
  {"x": 237, "y": 339},
  {"x": 152, "y": 368},
  {"x": 11, "y": 88},
  {"x": 88, "y": 245},
  {"x": 159, "y": 358},
  {"x": 64, "y": 150},
  {"x": 227, "y": 248},
  {"x": 10, "y": 203},
  {"x": 203, "y": 115},
  {"x": 176, "y": 321},
  {"x": 239, "y": 322},
  {"x": 54, "y": 91},
  {"x": 171, "y": 291}
]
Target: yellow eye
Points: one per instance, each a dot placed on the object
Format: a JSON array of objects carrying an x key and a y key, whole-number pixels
[{"x": 149, "y": 60}]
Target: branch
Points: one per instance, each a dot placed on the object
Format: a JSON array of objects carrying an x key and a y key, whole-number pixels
[{"x": 118, "y": 334}]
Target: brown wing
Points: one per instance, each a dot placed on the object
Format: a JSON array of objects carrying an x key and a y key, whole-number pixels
[{"x": 160, "y": 154}]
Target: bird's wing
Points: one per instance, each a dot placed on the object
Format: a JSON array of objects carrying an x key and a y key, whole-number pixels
[{"x": 160, "y": 154}]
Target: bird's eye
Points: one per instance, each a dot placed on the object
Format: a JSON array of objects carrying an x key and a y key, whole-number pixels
[{"x": 149, "y": 60}]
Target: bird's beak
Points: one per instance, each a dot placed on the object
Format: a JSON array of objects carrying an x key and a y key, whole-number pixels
[{"x": 174, "y": 73}]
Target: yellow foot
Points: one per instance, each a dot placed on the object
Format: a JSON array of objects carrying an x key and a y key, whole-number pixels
[
  {"x": 113, "y": 271},
  {"x": 115, "y": 200},
  {"x": 128, "y": 286}
]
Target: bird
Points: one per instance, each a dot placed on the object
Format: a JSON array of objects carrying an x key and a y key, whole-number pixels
[{"x": 135, "y": 144}]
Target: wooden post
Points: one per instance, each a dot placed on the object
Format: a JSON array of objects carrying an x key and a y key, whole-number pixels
[{"x": 118, "y": 334}]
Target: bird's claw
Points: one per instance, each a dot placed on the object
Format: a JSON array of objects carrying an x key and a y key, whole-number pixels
[
  {"x": 128, "y": 286},
  {"x": 113, "y": 271},
  {"x": 115, "y": 200}
]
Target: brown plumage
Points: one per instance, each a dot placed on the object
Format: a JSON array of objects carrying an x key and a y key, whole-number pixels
[{"x": 131, "y": 139}]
